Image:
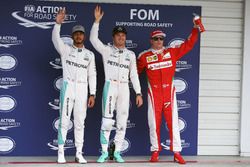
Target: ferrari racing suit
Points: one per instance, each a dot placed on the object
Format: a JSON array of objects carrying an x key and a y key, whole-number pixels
[{"x": 159, "y": 66}]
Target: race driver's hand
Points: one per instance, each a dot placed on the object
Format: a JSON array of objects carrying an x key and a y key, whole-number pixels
[
  {"x": 91, "y": 101},
  {"x": 139, "y": 100},
  {"x": 195, "y": 26},
  {"x": 98, "y": 14},
  {"x": 60, "y": 16}
]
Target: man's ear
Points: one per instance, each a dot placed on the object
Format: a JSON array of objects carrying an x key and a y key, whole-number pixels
[
  {"x": 84, "y": 38},
  {"x": 151, "y": 42}
]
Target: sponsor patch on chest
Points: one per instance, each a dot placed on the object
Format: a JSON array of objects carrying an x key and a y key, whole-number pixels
[
  {"x": 72, "y": 55},
  {"x": 152, "y": 58},
  {"x": 127, "y": 58},
  {"x": 166, "y": 56},
  {"x": 86, "y": 58},
  {"x": 160, "y": 65}
]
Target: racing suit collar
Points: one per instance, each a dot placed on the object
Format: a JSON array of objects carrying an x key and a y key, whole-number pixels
[
  {"x": 73, "y": 46},
  {"x": 157, "y": 51},
  {"x": 118, "y": 49},
  {"x": 78, "y": 49}
]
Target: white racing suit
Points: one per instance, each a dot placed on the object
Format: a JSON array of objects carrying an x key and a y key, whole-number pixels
[
  {"x": 79, "y": 71},
  {"x": 119, "y": 66}
]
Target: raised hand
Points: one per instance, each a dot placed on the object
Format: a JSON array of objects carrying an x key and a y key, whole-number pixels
[
  {"x": 60, "y": 16},
  {"x": 198, "y": 23},
  {"x": 98, "y": 14}
]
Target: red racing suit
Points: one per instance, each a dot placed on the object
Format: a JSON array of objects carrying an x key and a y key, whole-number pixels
[{"x": 160, "y": 69}]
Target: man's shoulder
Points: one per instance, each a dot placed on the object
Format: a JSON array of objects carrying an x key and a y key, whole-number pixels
[{"x": 145, "y": 53}]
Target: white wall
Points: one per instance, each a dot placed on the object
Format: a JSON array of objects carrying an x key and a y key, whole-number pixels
[
  {"x": 245, "y": 102},
  {"x": 220, "y": 72}
]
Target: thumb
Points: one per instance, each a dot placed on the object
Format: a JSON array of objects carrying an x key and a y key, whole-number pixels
[
  {"x": 89, "y": 102},
  {"x": 137, "y": 102}
]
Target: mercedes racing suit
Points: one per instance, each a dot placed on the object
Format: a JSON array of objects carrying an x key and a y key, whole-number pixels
[
  {"x": 79, "y": 71},
  {"x": 160, "y": 69},
  {"x": 119, "y": 66}
]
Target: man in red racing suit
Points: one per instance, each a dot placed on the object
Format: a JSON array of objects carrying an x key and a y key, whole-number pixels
[{"x": 159, "y": 64}]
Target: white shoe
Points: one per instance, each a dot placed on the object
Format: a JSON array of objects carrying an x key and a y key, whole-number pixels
[
  {"x": 80, "y": 159},
  {"x": 61, "y": 158}
]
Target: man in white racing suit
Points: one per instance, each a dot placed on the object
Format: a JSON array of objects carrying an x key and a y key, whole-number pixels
[
  {"x": 119, "y": 66},
  {"x": 79, "y": 71}
]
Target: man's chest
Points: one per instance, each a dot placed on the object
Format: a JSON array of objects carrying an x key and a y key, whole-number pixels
[
  {"x": 77, "y": 59},
  {"x": 118, "y": 60},
  {"x": 160, "y": 61}
]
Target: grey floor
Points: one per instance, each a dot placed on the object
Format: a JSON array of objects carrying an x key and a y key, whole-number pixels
[{"x": 204, "y": 161}]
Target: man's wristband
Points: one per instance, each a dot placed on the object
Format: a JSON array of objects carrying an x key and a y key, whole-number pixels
[
  {"x": 138, "y": 94},
  {"x": 93, "y": 95}
]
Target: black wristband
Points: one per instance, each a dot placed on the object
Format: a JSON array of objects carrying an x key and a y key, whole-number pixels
[
  {"x": 138, "y": 94},
  {"x": 93, "y": 95}
]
